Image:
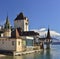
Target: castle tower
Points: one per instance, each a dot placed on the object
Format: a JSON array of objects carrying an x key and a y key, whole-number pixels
[
  {"x": 7, "y": 28},
  {"x": 21, "y": 22},
  {"x": 48, "y": 39}
]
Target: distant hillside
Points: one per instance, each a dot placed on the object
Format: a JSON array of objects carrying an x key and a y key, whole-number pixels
[{"x": 56, "y": 43}]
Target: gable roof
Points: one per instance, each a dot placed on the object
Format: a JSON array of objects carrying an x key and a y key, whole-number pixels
[
  {"x": 27, "y": 33},
  {"x": 20, "y": 17},
  {"x": 17, "y": 32}
]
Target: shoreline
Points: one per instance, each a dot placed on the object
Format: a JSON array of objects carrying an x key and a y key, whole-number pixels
[
  {"x": 14, "y": 53},
  {"x": 2, "y": 55},
  {"x": 26, "y": 52}
]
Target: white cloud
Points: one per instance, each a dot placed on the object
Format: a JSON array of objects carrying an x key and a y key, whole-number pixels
[{"x": 42, "y": 29}]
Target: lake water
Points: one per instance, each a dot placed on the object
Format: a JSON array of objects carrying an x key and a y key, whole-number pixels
[{"x": 53, "y": 53}]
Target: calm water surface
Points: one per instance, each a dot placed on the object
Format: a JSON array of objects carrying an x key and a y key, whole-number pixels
[{"x": 53, "y": 53}]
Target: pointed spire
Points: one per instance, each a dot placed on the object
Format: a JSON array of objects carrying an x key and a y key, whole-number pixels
[
  {"x": 7, "y": 21},
  {"x": 7, "y": 24},
  {"x": 48, "y": 33}
]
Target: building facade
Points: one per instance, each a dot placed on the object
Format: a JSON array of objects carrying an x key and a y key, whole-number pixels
[
  {"x": 12, "y": 44},
  {"x": 20, "y": 38}
]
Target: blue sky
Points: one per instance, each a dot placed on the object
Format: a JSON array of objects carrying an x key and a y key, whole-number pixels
[{"x": 41, "y": 13}]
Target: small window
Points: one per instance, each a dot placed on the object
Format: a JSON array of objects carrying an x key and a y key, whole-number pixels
[
  {"x": 12, "y": 42},
  {"x": 26, "y": 23},
  {"x": 18, "y": 42}
]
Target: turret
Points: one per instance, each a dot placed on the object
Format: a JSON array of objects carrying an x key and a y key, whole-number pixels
[
  {"x": 7, "y": 24},
  {"x": 48, "y": 39},
  {"x": 48, "y": 33},
  {"x": 7, "y": 28}
]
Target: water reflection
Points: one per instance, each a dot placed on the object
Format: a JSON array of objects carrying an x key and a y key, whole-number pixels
[
  {"x": 44, "y": 55},
  {"x": 48, "y": 54},
  {"x": 38, "y": 55},
  {"x": 6, "y": 57}
]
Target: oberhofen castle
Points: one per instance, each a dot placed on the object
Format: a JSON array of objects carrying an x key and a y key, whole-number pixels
[{"x": 19, "y": 38}]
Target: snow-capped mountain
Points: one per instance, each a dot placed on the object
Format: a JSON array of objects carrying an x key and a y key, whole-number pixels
[{"x": 43, "y": 32}]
